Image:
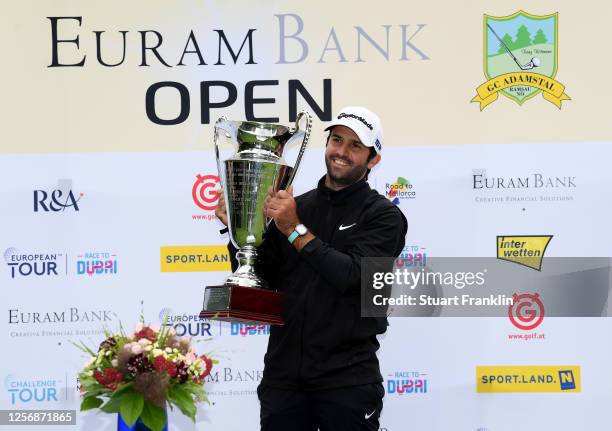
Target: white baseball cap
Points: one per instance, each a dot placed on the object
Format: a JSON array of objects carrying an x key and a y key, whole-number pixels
[{"x": 363, "y": 122}]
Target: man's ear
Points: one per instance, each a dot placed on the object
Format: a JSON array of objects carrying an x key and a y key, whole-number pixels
[{"x": 374, "y": 161}]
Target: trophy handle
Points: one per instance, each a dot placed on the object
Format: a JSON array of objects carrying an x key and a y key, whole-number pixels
[
  {"x": 307, "y": 130},
  {"x": 217, "y": 128}
]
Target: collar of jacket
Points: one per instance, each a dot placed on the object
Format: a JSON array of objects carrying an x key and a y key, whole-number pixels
[{"x": 343, "y": 195}]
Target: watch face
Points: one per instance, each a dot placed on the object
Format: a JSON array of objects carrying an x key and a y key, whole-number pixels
[{"x": 301, "y": 229}]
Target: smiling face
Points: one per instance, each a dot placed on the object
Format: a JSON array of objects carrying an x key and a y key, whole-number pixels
[{"x": 346, "y": 158}]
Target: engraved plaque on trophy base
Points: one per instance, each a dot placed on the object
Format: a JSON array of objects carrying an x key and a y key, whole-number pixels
[{"x": 233, "y": 303}]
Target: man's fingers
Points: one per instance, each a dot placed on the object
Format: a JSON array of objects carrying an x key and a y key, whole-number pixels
[
  {"x": 290, "y": 190},
  {"x": 283, "y": 194}
]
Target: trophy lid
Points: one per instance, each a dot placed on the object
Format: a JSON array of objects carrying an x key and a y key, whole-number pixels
[{"x": 262, "y": 137}]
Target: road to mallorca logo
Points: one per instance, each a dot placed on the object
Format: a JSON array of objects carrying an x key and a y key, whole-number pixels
[
  {"x": 527, "y": 378},
  {"x": 527, "y": 250},
  {"x": 400, "y": 189},
  {"x": 520, "y": 59}
]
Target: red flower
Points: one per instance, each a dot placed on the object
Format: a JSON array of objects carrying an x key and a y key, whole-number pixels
[
  {"x": 109, "y": 378},
  {"x": 209, "y": 365},
  {"x": 162, "y": 364},
  {"x": 147, "y": 333}
]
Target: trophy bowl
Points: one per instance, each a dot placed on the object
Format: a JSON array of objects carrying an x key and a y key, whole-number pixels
[{"x": 246, "y": 177}]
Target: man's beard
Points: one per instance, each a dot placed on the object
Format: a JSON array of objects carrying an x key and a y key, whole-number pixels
[{"x": 349, "y": 177}]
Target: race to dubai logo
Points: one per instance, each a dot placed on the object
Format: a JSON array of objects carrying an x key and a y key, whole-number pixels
[
  {"x": 526, "y": 250},
  {"x": 520, "y": 59},
  {"x": 204, "y": 197}
]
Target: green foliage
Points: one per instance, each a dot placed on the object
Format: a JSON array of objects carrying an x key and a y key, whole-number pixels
[
  {"x": 91, "y": 403},
  {"x": 183, "y": 399},
  {"x": 131, "y": 407},
  {"x": 523, "y": 38},
  {"x": 153, "y": 417},
  {"x": 540, "y": 37},
  {"x": 507, "y": 39}
]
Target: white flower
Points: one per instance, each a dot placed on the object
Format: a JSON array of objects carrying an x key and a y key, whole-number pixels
[
  {"x": 115, "y": 362},
  {"x": 136, "y": 349},
  {"x": 144, "y": 341},
  {"x": 157, "y": 352},
  {"x": 168, "y": 350},
  {"x": 89, "y": 373},
  {"x": 139, "y": 327},
  {"x": 148, "y": 348}
]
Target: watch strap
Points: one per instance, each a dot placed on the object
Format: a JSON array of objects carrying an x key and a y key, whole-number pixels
[{"x": 293, "y": 236}]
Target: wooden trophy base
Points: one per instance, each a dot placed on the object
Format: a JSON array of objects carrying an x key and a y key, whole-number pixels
[{"x": 232, "y": 303}]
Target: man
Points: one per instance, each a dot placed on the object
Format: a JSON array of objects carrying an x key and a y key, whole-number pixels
[{"x": 321, "y": 370}]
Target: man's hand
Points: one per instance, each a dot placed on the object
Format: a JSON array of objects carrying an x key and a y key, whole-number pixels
[
  {"x": 281, "y": 207},
  {"x": 221, "y": 211}
]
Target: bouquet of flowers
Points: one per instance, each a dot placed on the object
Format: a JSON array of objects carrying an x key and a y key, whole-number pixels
[{"x": 136, "y": 375}]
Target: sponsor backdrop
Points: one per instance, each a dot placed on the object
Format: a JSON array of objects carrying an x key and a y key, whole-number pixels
[{"x": 497, "y": 143}]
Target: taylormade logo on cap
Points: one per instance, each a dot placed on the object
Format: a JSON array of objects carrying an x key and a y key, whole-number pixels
[
  {"x": 356, "y": 117},
  {"x": 363, "y": 122}
]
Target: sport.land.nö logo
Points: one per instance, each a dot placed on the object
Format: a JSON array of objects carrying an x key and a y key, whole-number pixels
[
  {"x": 528, "y": 378},
  {"x": 520, "y": 59},
  {"x": 399, "y": 190},
  {"x": 204, "y": 197}
]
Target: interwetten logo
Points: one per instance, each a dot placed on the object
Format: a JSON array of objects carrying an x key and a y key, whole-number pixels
[
  {"x": 399, "y": 190},
  {"x": 406, "y": 382},
  {"x": 526, "y": 250},
  {"x": 194, "y": 258},
  {"x": 96, "y": 263},
  {"x": 204, "y": 197},
  {"x": 32, "y": 264},
  {"x": 523, "y": 66},
  {"x": 527, "y": 378}
]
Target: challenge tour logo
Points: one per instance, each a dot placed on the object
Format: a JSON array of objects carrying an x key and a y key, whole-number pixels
[
  {"x": 520, "y": 59},
  {"x": 527, "y": 250}
]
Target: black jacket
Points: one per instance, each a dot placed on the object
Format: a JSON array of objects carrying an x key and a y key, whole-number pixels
[{"x": 324, "y": 342}]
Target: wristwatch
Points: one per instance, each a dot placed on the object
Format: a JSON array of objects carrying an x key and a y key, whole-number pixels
[{"x": 300, "y": 230}]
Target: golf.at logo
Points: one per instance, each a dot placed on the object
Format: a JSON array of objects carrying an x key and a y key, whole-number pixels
[
  {"x": 526, "y": 311},
  {"x": 523, "y": 66},
  {"x": 204, "y": 196}
]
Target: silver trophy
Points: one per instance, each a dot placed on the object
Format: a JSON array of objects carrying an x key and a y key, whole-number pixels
[{"x": 246, "y": 178}]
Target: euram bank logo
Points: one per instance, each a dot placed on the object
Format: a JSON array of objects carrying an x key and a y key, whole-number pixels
[{"x": 520, "y": 59}]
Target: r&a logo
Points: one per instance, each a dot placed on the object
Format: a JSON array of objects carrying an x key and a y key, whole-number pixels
[{"x": 55, "y": 201}]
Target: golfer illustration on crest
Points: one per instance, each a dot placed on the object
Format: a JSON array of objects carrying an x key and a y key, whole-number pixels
[{"x": 520, "y": 59}]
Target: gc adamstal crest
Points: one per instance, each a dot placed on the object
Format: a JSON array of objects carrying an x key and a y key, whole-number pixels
[{"x": 520, "y": 59}]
